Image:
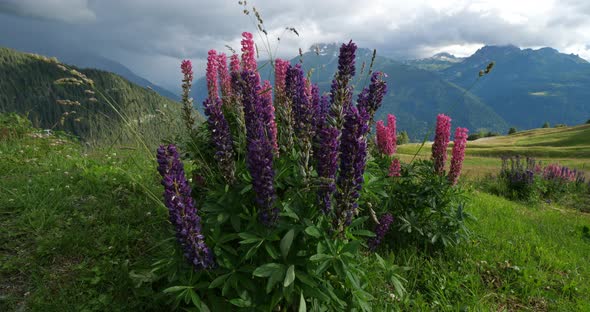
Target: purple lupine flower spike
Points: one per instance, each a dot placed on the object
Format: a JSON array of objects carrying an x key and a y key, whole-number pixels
[
  {"x": 353, "y": 152},
  {"x": 182, "y": 211},
  {"x": 380, "y": 231},
  {"x": 220, "y": 138},
  {"x": 259, "y": 147}
]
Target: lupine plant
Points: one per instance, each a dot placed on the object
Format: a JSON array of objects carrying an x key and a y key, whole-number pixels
[
  {"x": 527, "y": 179},
  {"x": 280, "y": 185}
]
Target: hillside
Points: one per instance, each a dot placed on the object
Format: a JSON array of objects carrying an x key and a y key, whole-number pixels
[
  {"x": 92, "y": 104},
  {"x": 570, "y": 142},
  {"x": 528, "y": 87},
  {"x": 414, "y": 95}
]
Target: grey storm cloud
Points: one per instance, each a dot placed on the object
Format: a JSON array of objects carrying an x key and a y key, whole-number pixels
[{"x": 151, "y": 37}]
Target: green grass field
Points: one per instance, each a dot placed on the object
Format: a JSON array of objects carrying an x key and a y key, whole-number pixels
[
  {"x": 80, "y": 230},
  {"x": 568, "y": 146}
]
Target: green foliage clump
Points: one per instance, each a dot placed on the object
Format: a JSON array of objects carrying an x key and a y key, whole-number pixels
[
  {"x": 546, "y": 125},
  {"x": 512, "y": 130},
  {"x": 403, "y": 138},
  {"x": 14, "y": 126},
  {"x": 560, "y": 125},
  {"x": 429, "y": 212}
]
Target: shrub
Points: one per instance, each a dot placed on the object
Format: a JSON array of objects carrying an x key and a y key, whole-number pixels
[
  {"x": 588, "y": 121},
  {"x": 518, "y": 176},
  {"x": 428, "y": 210},
  {"x": 526, "y": 179},
  {"x": 560, "y": 126},
  {"x": 403, "y": 138},
  {"x": 512, "y": 130},
  {"x": 546, "y": 125}
]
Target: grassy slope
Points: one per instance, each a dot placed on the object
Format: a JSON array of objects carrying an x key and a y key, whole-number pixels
[
  {"x": 109, "y": 110},
  {"x": 569, "y": 146},
  {"x": 77, "y": 228}
]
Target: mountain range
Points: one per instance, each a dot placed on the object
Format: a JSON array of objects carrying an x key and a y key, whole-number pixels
[
  {"x": 95, "y": 105},
  {"x": 525, "y": 89}
]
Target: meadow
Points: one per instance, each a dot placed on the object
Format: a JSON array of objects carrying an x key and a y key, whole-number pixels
[
  {"x": 282, "y": 201},
  {"x": 81, "y": 229}
]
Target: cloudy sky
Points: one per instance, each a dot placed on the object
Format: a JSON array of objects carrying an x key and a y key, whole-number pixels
[{"x": 152, "y": 36}]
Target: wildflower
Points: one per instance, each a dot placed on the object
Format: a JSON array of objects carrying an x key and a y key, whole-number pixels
[
  {"x": 380, "y": 231},
  {"x": 212, "y": 83},
  {"x": 441, "y": 141},
  {"x": 384, "y": 140},
  {"x": 266, "y": 93},
  {"x": 302, "y": 113},
  {"x": 341, "y": 92},
  {"x": 371, "y": 97},
  {"x": 220, "y": 138},
  {"x": 458, "y": 154},
  {"x": 234, "y": 63},
  {"x": 353, "y": 152},
  {"x": 259, "y": 147},
  {"x": 391, "y": 126},
  {"x": 281, "y": 67},
  {"x": 224, "y": 76},
  {"x": 394, "y": 168},
  {"x": 187, "y": 102},
  {"x": 248, "y": 52},
  {"x": 326, "y": 154},
  {"x": 182, "y": 211}
]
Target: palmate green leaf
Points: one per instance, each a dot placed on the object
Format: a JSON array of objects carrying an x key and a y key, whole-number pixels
[
  {"x": 290, "y": 276},
  {"x": 302, "y": 304},
  {"x": 253, "y": 250},
  {"x": 274, "y": 279},
  {"x": 286, "y": 242},
  {"x": 175, "y": 289},
  {"x": 366, "y": 233},
  {"x": 219, "y": 280},
  {"x": 271, "y": 250},
  {"x": 267, "y": 270},
  {"x": 320, "y": 257},
  {"x": 313, "y": 231}
]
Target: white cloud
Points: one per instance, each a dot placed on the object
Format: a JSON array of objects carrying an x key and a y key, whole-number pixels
[
  {"x": 142, "y": 32},
  {"x": 69, "y": 11}
]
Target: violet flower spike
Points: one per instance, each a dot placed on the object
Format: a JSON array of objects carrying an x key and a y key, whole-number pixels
[
  {"x": 380, "y": 231},
  {"x": 182, "y": 211},
  {"x": 221, "y": 138},
  {"x": 259, "y": 147},
  {"x": 353, "y": 152}
]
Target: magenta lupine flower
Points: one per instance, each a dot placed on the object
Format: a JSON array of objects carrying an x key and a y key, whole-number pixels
[
  {"x": 353, "y": 152},
  {"x": 281, "y": 67},
  {"x": 248, "y": 52},
  {"x": 187, "y": 69},
  {"x": 458, "y": 154},
  {"x": 266, "y": 93},
  {"x": 259, "y": 147},
  {"x": 395, "y": 168},
  {"x": 187, "y": 102},
  {"x": 181, "y": 208},
  {"x": 380, "y": 231},
  {"x": 441, "y": 141},
  {"x": 212, "y": 83},
  {"x": 221, "y": 138},
  {"x": 234, "y": 63},
  {"x": 391, "y": 126},
  {"x": 224, "y": 76},
  {"x": 384, "y": 140}
]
